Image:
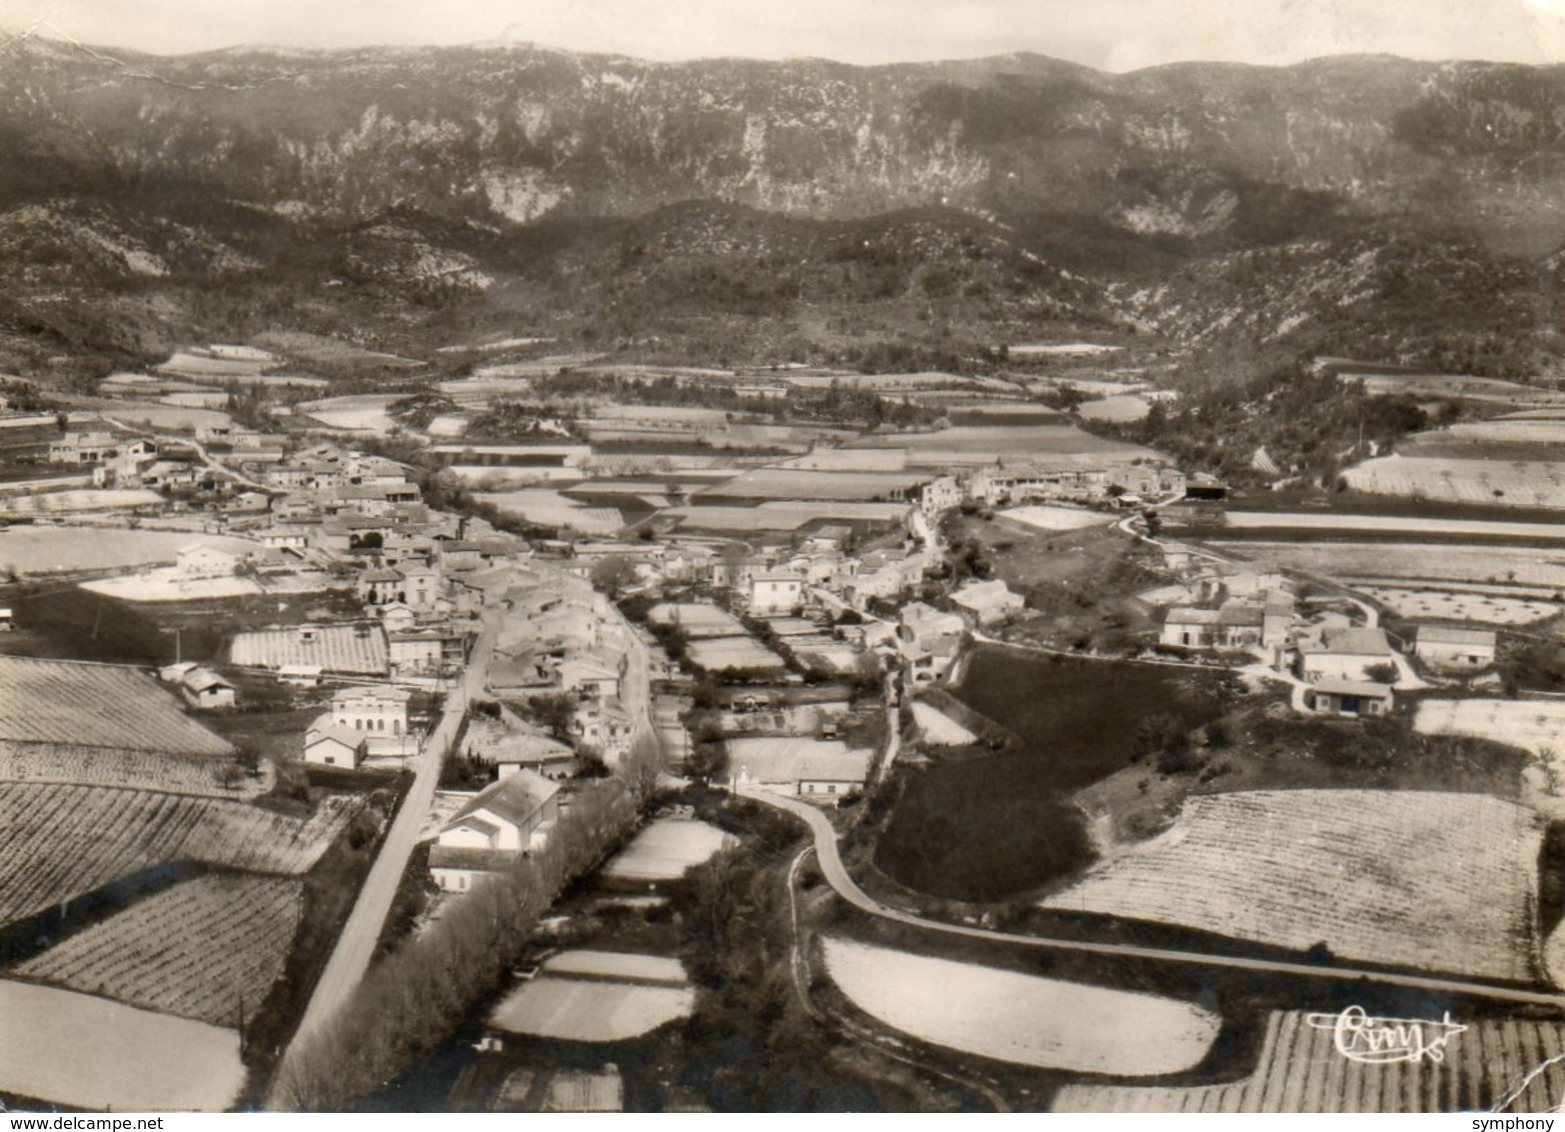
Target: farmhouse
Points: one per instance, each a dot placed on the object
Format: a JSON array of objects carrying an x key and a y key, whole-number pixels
[
  {"x": 202, "y": 560},
  {"x": 1443, "y": 646},
  {"x": 821, "y": 768},
  {"x": 929, "y": 640},
  {"x": 510, "y": 744},
  {"x": 333, "y": 746},
  {"x": 988, "y": 603},
  {"x": 200, "y": 686},
  {"x": 505, "y": 820},
  {"x": 1349, "y": 699},
  {"x": 940, "y": 494},
  {"x": 83, "y": 448},
  {"x": 378, "y": 710},
  {"x": 1344, "y": 654}
]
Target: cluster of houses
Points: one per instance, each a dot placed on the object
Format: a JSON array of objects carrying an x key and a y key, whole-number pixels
[{"x": 1348, "y": 668}]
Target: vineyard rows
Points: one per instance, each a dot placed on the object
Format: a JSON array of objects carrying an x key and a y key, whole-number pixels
[
  {"x": 1518, "y": 483},
  {"x": 109, "y": 766},
  {"x": 65, "y": 841},
  {"x": 1300, "y": 1070},
  {"x": 206, "y": 949},
  {"x": 1436, "y": 881}
]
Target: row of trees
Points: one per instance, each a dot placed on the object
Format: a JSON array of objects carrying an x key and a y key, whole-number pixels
[{"x": 414, "y": 1001}]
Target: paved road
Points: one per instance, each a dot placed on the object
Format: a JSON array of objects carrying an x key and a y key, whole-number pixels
[
  {"x": 356, "y": 946},
  {"x": 837, "y": 876}
]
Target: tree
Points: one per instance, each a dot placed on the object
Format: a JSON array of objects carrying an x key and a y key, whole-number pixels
[{"x": 612, "y": 573}]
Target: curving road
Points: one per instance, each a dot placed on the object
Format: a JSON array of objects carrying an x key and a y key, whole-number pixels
[{"x": 836, "y": 874}]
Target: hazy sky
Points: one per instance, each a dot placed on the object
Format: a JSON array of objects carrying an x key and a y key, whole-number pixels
[{"x": 1113, "y": 34}]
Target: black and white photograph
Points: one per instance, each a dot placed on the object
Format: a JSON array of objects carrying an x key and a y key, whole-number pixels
[{"x": 875, "y": 556}]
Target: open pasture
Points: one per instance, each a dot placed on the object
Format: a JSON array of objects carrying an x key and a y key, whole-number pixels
[
  {"x": 1047, "y": 518},
  {"x": 1516, "y": 483},
  {"x": 64, "y": 841},
  {"x": 1300, "y": 1070},
  {"x": 90, "y": 1053},
  {"x": 1021, "y": 1019},
  {"x": 78, "y": 500},
  {"x": 666, "y": 849},
  {"x": 209, "y": 949},
  {"x": 1435, "y": 881},
  {"x": 1533, "y": 725},
  {"x": 1423, "y": 604},
  {"x": 549, "y": 508},
  {"x": 1435, "y": 562}
]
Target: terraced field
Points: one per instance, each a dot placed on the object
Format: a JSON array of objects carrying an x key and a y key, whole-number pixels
[
  {"x": 209, "y": 949},
  {"x": 1300, "y": 1070},
  {"x": 110, "y": 766},
  {"x": 1440, "y": 882},
  {"x": 1517, "y": 484},
  {"x": 62, "y": 842}
]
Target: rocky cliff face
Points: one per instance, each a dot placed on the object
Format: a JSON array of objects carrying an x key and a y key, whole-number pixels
[
  {"x": 509, "y": 135},
  {"x": 1285, "y": 205}
]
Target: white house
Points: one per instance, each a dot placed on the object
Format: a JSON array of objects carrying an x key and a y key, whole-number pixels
[
  {"x": 776, "y": 593},
  {"x": 376, "y": 709},
  {"x": 940, "y": 494},
  {"x": 1345, "y": 654},
  {"x": 203, "y": 560},
  {"x": 1445, "y": 646},
  {"x": 333, "y": 746},
  {"x": 491, "y": 831},
  {"x": 989, "y": 603},
  {"x": 1349, "y": 699}
]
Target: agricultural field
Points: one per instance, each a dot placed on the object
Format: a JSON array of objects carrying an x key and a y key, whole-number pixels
[
  {"x": 697, "y": 619},
  {"x": 80, "y": 499},
  {"x": 1487, "y": 1067},
  {"x": 611, "y": 1006},
  {"x": 619, "y": 965},
  {"x": 1391, "y": 524},
  {"x": 794, "y": 483},
  {"x": 1533, "y": 725},
  {"x": 1016, "y": 443},
  {"x": 1435, "y": 881},
  {"x": 666, "y": 849},
  {"x": 329, "y": 353},
  {"x": 1487, "y": 389},
  {"x": 356, "y": 413},
  {"x": 209, "y": 949},
  {"x": 170, "y": 418},
  {"x": 96, "y": 705},
  {"x": 349, "y": 649},
  {"x": 148, "y": 770},
  {"x": 551, "y": 509},
  {"x": 90, "y": 1053},
  {"x": 64, "y": 841},
  {"x": 939, "y": 728},
  {"x": 1433, "y": 562},
  {"x": 1515, "y": 484},
  {"x": 1021, "y": 1019},
  {"x": 718, "y": 653},
  {"x": 1422, "y": 604},
  {"x": 1048, "y": 518},
  {"x": 1119, "y": 408},
  {"x": 1475, "y": 439},
  {"x": 777, "y": 516}
]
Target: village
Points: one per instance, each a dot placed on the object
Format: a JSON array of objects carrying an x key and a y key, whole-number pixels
[{"x": 449, "y": 653}]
